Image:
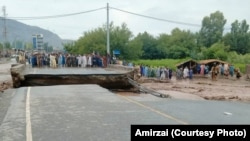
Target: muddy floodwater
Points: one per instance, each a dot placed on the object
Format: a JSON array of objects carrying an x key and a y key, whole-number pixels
[{"x": 230, "y": 89}]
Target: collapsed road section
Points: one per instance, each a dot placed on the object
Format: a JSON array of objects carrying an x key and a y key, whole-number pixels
[{"x": 112, "y": 77}]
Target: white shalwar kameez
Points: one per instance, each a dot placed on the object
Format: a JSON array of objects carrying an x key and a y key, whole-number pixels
[
  {"x": 185, "y": 72},
  {"x": 90, "y": 61},
  {"x": 84, "y": 61}
]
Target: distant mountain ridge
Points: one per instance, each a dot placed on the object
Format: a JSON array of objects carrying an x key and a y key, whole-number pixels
[{"x": 22, "y": 32}]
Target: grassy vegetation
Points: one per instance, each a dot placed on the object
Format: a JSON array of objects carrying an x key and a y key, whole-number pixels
[
  {"x": 162, "y": 62},
  {"x": 241, "y": 66}
]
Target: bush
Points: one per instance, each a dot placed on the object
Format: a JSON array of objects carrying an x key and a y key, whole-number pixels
[{"x": 242, "y": 67}]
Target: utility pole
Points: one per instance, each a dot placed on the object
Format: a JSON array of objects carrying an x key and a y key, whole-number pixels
[
  {"x": 4, "y": 29},
  {"x": 108, "y": 45}
]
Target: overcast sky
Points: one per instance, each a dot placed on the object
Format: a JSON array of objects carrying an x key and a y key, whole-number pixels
[{"x": 72, "y": 27}]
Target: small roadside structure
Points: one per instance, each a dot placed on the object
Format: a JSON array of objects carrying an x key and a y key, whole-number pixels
[
  {"x": 191, "y": 64},
  {"x": 210, "y": 62},
  {"x": 195, "y": 65}
]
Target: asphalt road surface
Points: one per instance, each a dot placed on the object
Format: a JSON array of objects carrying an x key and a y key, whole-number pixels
[{"x": 93, "y": 113}]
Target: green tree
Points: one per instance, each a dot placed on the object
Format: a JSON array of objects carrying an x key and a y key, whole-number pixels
[
  {"x": 119, "y": 39},
  {"x": 133, "y": 50},
  {"x": 95, "y": 41},
  {"x": 68, "y": 47},
  {"x": 184, "y": 42},
  {"x": 239, "y": 37},
  {"x": 177, "y": 52},
  {"x": 149, "y": 46},
  {"x": 212, "y": 29},
  {"x": 163, "y": 45},
  {"x": 216, "y": 51},
  {"x": 180, "y": 44}
]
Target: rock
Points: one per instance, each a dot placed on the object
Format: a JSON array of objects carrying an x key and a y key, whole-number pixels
[{"x": 200, "y": 90}]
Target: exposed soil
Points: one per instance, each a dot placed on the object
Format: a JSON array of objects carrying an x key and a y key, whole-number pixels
[{"x": 230, "y": 88}]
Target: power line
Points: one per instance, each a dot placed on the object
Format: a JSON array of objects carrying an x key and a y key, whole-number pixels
[
  {"x": 72, "y": 14},
  {"x": 93, "y": 10},
  {"x": 55, "y": 16},
  {"x": 163, "y": 20},
  {"x": 159, "y": 19}
]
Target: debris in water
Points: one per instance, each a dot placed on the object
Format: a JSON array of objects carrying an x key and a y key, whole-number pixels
[{"x": 227, "y": 113}]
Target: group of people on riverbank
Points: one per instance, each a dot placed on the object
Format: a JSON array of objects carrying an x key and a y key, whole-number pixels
[
  {"x": 158, "y": 72},
  {"x": 224, "y": 70},
  {"x": 216, "y": 70}
]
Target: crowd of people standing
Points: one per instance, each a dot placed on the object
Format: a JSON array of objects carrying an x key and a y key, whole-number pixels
[
  {"x": 158, "y": 72},
  {"x": 58, "y": 60},
  {"x": 216, "y": 70}
]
